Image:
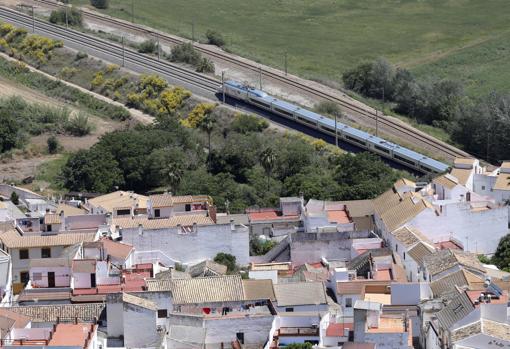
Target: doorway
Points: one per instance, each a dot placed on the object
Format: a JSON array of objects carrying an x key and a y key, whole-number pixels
[{"x": 51, "y": 279}]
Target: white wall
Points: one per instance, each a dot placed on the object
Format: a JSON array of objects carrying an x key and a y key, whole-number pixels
[
  {"x": 255, "y": 328},
  {"x": 193, "y": 247},
  {"x": 81, "y": 280},
  {"x": 19, "y": 265},
  {"x": 114, "y": 315},
  {"x": 62, "y": 276},
  {"x": 140, "y": 329},
  {"x": 264, "y": 275}
]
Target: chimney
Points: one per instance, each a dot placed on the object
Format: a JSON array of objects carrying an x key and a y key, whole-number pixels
[
  {"x": 179, "y": 229},
  {"x": 195, "y": 228},
  {"x": 232, "y": 225},
  {"x": 140, "y": 229}
]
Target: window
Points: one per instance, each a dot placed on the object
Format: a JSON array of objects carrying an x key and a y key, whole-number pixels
[
  {"x": 162, "y": 313},
  {"x": 125, "y": 212},
  {"x": 396, "y": 247},
  {"x": 289, "y": 310},
  {"x": 157, "y": 213},
  {"x": 483, "y": 187},
  {"x": 37, "y": 276},
  {"x": 187, "y": 208},
  {"x": 48, "y": 227},
  {"x": 404, "y": 256},
  {"x": 23, "y": 254},
  {"x": 348, "y": 302},
  {"x": 24, "y": 277},
  {"x": 46, "y": 252},
  {"x": 240, "y": 337}
]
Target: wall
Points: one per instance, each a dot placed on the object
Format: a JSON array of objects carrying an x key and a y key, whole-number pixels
[
  {"x": 162, "y": 300},
  {"x": 193, "y": 247},
  {"x": 479, "y": 232},
  {"x": 19, "y": 265},
  {"x": 264, "y": 275},
  {"x": 140, "y": 329},
  {"x": 308, "y": 251},
  {"x": 62, "y": 276},
  {"x": 304, "y": 308},
  {"x": 255, "y": 329},
  {"x": 81, "y": 280},
  {"x": 84, "y": 222},
  {"x": 114, "y": 315},
  {"x": 388, "y": 340},
  {"x": 406, "y": 294}
]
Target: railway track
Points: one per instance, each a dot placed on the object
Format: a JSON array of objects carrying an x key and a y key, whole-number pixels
[
  {"x": 112, "y": 50},
  {"x": 369, "y": 113}
]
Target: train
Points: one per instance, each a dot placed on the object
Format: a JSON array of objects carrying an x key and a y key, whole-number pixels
[{"x": 326, "y": 125}]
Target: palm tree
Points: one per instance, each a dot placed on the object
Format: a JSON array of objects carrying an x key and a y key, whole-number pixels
[
  {"x": 267, "y": 160},
  {"x": 173, "y": 173},
  {"x": 207, "y": 125}
]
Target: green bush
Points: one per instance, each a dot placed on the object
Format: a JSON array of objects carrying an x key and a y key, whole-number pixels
[
  {"x": 81, "y": 55},
  {"x": 100, "y": 4},
  {"x": 226, "y": 259},
  {"x": 205, "y": 66},
  {"x": 53, "y": 145},
  {"x": 148, "y": 46},
  {"x": 185, "y": 53},
  {"x": 15, "y": 198},
  {"x": 215, "y": 38},
  {"x": 74, "y": 17},
  {"x": 260, "y": 247},
  {"x": 244, "y": 123},
  {"x": 78, "y": 125}
]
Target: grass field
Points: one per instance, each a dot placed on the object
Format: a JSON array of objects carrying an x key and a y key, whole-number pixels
[{"x": 460, "y": 38}]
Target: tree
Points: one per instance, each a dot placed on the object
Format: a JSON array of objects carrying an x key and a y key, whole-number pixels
[
  {"x": 73, "y": 15},
  {"x": 207, "y": 125},
  {"x": 10, "y": 131},
  {"x": 148, "y": 46},
  {"x": 267, "y": 160},
  {"x": 53, "y": 145},
  {"x": 259, "y": 247},
  {"x": 214, "y": 38},
  {"x": 226, "y": 259},
  {"x": 14, "y": 198},
  {"x": 92, "y": 170},
  {"x": 100, "y": 4},
  {"x": 502, "y": 256}
]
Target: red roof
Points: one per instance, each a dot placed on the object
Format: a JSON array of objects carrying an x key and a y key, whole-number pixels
[
  {"x": 382, "y": 275},
  {"x": 337, "y": 330},
  {"x": 109, "y": 289},
  {"x": 83, "y": 291},
  {"x": 72, "y": 335},
  {"x": 448, "y": 245},
  {"x": 269, "y": 215},
  {"x": 338, "y": 217}
]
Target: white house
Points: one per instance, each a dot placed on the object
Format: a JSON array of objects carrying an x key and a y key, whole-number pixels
[{"x": 5, "y": 278}]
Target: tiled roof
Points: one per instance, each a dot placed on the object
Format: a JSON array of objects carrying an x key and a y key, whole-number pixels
[
  {"x": 116, "y": 249},
  {"x": 408, "y": 236},
  {"x": 119, "y": 199},
  {"x": 404, "y": 182},
  {"x": 13, "y": 239},
  {"x": 443, "y": 260},
  {"x": 502, "y": 182},
  {"x": 162, "y": 223},
  {"x": 70, "y": 210},
  {"x": 50, "y": 313},
  {"x": 208, "y": 290},
  {"x": 207, "y": 267},
  {"x": 52, "y": 218},
  {"x": 405, "y": 210},
  {"x": 159, "y": 285},
  {"x": 351, "y": 287},
  {"x": 172, "y": 274},
  {"x": 386, "y": 200},
  {"x": 496, "y": 329},
  {"x": 338, "y": 217},
  {"x": 446, "y": 181},
  {"x": 300, "y": 293},
  {"x": 168, "y": 200},
  {"x": 258, "y": 290},
  {"x": 457, "y": 309},
  {"x": 419, "y": 252},
  {"x": 20, "y": 320},
  {"x": 359, "y": 208},
  {"x": 338, "y": 329},
  {"x": 139, "y": 301},
  {"x": 461, "y": 174},
  {"x": 459, "y": 278}
]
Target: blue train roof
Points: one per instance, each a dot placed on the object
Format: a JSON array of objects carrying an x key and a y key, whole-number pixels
[
  {"x": 284, "y": 105},
  {"x": 310, "y": 115},
  {"x": 434, "y": 164},
  {"x": 243, "y": 87}
]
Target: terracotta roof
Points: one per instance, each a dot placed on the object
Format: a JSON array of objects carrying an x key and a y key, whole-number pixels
[
  {"x": 359, "y": 208},
  {"x": 338, "y": 217},
  {"x": 445, "y": 259},
  {"x": 419, "y": 252},
  {"x": 116, "y": 249},
  {"x": 446, "y": 181},
  {"x": 461, "y": 174},
  {"x": 52, "y": 218},
  {"x": 207, "y": 267},
  {"x": 404, "y": 182},
  {"x": 208, "y": 290},
  {"x": 300, "y": 293},
  {"x": 269, "y": 215},
  {"x": 386, "y": 200},
  {"x": 338, "y": 329},
  {"x": 72, "y": 335},
  {"x": 502, "y": 182},
  {"x": 159, "y": 285},
  {"x": 70, "y": 210},
  {"x": 19, "y": 320},
  {"x": 258, "y": 290},
  {"x": 13, "y": 239},
  {"x": 162, "y": 223},
  {"x": 119, "y": 199},
  {"x": 139, "y": 301},
  {"x": 168, "y": 200},
  {"x": 358, "y": 286}
]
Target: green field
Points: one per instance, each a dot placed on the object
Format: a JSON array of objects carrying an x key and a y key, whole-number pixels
[{"x": 464, "y": 39}]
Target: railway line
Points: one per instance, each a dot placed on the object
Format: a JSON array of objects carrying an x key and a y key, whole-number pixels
[{"x": 366, "y": 112}]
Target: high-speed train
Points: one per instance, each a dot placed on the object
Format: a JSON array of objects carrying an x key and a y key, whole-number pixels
[{"x": 326, "y": 125}]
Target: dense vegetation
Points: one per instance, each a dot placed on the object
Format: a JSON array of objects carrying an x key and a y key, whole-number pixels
[
  {"x": 480, "y": 125},
  {"x": 502, "y": 256},
  {"x": 186, "y": 53},
  {"x": 236, "y": 172},
  {"x": 72, "y": 15}
]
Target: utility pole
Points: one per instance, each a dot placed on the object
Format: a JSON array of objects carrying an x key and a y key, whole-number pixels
[
  {"x": 376, "y": 122},
  {"x": 33, "y": 19},
  {"x": 223, "y": 85},
  {"x": 159, "y": 47},
  {"x": 132, "y": 11},
  {"x": 336, "y": 130},
  {"x": 260, "y": 77},
  {"x": 67, "y": 20},
  {"x": 285, "y": 63},
  {"x": 123, "y": 52},
  {"x": 193, "y": 30}
]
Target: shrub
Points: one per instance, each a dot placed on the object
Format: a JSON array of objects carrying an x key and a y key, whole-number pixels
[
  {"x": 244, "y": 123},
  {"x": 39, "y": 47},
  {"x": 81, "y": 55},
  {"x": 185, "y": 53},
  {"x": 100, "y": 4},
  {"x": 79, "y": 125},
  {"x": 15, "y": 198},
  {"x": 97, "y": 80},
  {"x": 53, "y": 145},
  {"x": 68, "y": 72},
  {"x": 110, "y": 68},
  {"x": 215, "y": 38},
  {"x": 174, "y": 98},
  {"x": 198, "y": 114},
  {"x": 74, "y": 17},
  {"x": 227, "y": 260},
  {"x": 205, "y": 66},
  {"x": 6, "y": 28},
  {"x": 148, "y": 46},
  {"x": 260, "y": 247}
]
